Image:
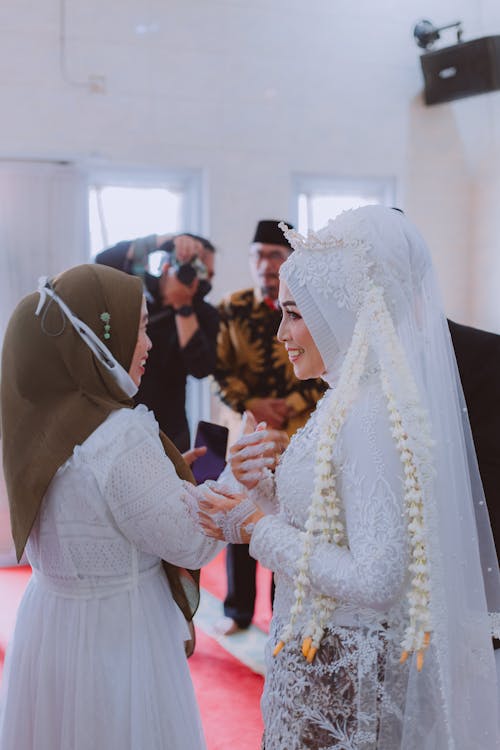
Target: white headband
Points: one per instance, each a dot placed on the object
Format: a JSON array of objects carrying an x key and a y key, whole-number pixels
[{"x": 99, "y": 349}]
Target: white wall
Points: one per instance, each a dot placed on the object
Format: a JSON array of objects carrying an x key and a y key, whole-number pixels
[{"x": 252, "y": 91}]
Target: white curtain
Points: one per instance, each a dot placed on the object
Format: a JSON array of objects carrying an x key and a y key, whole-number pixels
[
  {"x": 43, "y": 226},
  {"x": 43, "y": 231}
]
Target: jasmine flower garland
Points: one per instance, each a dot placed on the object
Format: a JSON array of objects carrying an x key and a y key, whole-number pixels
[{"x": 324, "y": 520}]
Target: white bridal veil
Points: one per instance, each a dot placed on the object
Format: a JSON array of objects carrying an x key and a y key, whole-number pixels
[{"x": 369, "y": 274}]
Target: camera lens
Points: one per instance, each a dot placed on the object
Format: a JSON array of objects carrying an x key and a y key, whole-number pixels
[{"x": 186, "y": 273}]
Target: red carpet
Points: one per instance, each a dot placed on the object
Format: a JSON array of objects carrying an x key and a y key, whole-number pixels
[
  {"x": 228, "y": 695},
  {"x": 13, "y": 581},
  {"x": 213, "y": 579},
  {"x": 228, "y": 692}
]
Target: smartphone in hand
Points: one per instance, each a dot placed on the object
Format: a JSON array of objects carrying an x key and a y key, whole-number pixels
[{"x": 214, "y": 437}]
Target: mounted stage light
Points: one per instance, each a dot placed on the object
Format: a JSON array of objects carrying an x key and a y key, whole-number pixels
[{"x": 464, "y": 69}]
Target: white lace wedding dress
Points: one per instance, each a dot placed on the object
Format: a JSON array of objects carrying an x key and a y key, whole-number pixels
[
  {"x": 340, "y": 700},
  {"x": 97, "y": 660}
]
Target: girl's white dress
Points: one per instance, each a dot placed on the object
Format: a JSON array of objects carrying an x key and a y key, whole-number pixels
[
  {"x": 340, "y": 700},
  {"x": 97, "y": 659}
]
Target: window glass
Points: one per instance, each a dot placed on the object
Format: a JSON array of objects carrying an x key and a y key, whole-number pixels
[
  {"x": 122, "y": 213},
  {"x": 319, "y": 199}
]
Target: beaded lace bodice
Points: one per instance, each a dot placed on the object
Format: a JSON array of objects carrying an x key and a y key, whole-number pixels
[
  {"x": 115, "y": 505},
  {"x": 368, "y": 578}
]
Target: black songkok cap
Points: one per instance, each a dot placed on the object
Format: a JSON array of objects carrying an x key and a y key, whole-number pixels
[{"x": 269, "y": 233}]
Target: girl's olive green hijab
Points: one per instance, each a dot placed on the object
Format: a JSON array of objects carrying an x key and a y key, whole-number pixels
[{"x": 55, "y": 392}]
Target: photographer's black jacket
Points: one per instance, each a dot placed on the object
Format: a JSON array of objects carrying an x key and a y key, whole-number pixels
[{"x": 163, "y": 386}]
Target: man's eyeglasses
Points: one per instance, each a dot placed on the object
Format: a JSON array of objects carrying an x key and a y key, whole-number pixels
[{"x": 273, "y": 255}]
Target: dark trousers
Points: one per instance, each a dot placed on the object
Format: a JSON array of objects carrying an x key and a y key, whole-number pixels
[{"x": 239, "y": 603}]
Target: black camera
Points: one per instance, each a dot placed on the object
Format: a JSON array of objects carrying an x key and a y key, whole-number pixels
[
  {"x": 192, "y": 269},
  {"x": 186, "y": 273}
]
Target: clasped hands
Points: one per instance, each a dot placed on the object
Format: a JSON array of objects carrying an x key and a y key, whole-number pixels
[{"x": 228, "y": 514}]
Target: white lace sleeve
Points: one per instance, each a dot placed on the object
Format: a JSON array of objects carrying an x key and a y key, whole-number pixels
[
  {"x": 276, "y": 544},
  {"x": 144, "y": 495},
  {"x": 264, "y": 496},
  {"x": 372, "y": 570}
]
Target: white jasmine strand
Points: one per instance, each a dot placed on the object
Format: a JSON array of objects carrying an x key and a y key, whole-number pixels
[
  {"x": 409, "y": 427},
  {"x": 324, "y": 520}
]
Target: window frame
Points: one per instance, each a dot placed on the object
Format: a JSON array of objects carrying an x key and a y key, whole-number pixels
[
  {"x": 188, "y": 181},
  {"x": 314, "y": 184}
]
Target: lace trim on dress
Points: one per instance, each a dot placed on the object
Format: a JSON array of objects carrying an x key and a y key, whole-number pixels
[{"x": 340, "y": 701}]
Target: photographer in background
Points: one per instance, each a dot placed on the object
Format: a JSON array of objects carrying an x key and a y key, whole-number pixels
[{"x": 182, "y": 326}]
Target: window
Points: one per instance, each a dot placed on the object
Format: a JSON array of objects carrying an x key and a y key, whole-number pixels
[
  {"x": 317, "y": 199},
  {"x": 128, "y": 203},
  {"x": 117, "y": 212}
]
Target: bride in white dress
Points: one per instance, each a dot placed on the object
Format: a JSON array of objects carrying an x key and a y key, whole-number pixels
[
  {"x": 374, "y": 522},
  {"x": 97, "y": 661}
]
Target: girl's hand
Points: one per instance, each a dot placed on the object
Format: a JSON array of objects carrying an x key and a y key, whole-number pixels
[{"x": 191, "y": 455}]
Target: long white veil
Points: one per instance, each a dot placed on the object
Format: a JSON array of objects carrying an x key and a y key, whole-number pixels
[{"x": 452, "y": 703}]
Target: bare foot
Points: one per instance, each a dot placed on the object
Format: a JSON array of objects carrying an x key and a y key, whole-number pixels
[{"x": 227, "y": 626}]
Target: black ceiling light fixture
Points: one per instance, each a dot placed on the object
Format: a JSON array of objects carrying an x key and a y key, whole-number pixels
[{"x": 463, "y": 69}]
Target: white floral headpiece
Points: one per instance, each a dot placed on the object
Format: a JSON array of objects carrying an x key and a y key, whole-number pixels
[
  {"x": 343, "y": 275},
  {"x": 330, "y": 236}
]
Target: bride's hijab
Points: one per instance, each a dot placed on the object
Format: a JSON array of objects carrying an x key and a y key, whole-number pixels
[
  {"x": 368, "y": 277},
  {"x": 62, "y": 379}
]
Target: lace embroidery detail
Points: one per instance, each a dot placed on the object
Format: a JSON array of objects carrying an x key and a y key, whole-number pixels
[
  {"x": 118, "y": 494},
  {"x": 232, "y": 523},
  {"x": 339, "y": 273},
  {"x": 338, "y": 701},
  {"x": 263, "y": 495},
  {"x": 340, "y": 262}
]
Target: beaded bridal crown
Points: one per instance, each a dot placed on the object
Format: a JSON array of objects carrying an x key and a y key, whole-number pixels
[{"x": 327, "y": 238}]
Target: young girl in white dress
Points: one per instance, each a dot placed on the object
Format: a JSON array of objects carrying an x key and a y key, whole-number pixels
[
  {"x": 374, "y": 522},
  {"x": 97, "y": 661}
]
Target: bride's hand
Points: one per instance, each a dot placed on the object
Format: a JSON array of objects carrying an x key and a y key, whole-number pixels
[
  {"x": 223, "y": 513},
  {"x": 253, "y": 453}
]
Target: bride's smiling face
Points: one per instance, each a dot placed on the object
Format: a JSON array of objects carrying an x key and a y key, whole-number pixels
[{"x": 294, "y": 334}]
